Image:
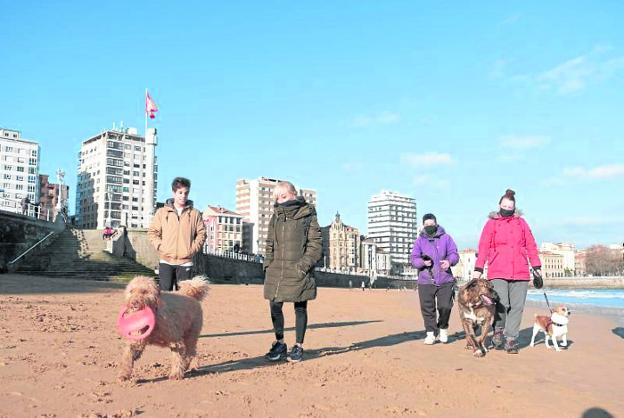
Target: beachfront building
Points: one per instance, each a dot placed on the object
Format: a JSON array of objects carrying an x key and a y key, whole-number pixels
[
  {"x": 392, "y": 224},
  {"x": 19, "y": 170},
  {"x": 552, "y": 264},
  {"x": 224, "y": 230},
  {"x": 463, "y": 270},
  {"x": 566, "y": 250},
  {"x": 580, "y": 267},
  {"x": 117, "y": 179},
  {"x": 341, "y": 246},
  {"x": 373, "y": 258},
  {"x": 254, "y": 201},
  {"x": 53, "y": 197}
]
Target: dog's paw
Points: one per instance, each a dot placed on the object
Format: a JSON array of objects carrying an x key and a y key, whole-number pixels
[
  {"x": 478, "y": 353},
  {"x": 562, "y": 344},
  {"x": 532, "y": 345}
]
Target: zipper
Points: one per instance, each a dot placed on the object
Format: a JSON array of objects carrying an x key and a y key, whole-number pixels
[
  {"x": 282, "y": 269},
  {"x": 435, "y": 249}
]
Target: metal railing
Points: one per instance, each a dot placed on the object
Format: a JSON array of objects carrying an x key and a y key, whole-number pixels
[
  {"x": 254, "y": 258},
  {"x": 30, "y": 209},
  {"x": 10, "y": 263}
]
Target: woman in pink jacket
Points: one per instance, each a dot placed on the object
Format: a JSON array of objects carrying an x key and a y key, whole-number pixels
[{"x": 508, "y": 246}]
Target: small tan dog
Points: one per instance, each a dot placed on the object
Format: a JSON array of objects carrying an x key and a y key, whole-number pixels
[
  {"x": 553, "y": 327},
  {"x": 178, "y": 322}
]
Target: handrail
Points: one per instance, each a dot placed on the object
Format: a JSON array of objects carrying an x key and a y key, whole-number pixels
[
  {"x": 31, "y": 248},
  {"x": 32, "y": 210}
]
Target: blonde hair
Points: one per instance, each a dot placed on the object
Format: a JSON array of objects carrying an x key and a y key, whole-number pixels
[{"x": 284, "y": 186}]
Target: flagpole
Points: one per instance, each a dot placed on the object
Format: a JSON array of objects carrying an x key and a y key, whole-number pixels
[{"x": 145, "y": 111}]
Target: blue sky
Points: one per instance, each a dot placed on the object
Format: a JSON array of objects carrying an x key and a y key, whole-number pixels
[{"x": 449, "y": 104}]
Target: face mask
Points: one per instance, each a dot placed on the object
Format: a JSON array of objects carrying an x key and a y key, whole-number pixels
[
  {"x": 431, "y": 230},
  {"x": 506, "y": 213}
]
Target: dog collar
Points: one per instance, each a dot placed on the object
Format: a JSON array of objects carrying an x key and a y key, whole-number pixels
[{"x": 558, "y": 325}]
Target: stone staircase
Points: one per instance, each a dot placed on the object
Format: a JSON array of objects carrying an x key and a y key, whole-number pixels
[{"x": 80, "y": 253}]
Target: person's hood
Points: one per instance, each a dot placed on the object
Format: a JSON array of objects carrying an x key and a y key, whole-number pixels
[
  {"x": 169, "y": 204},
  {"x": 439, "y": 232},
  {"x": 496, "y": 215},
  {"x": 295, "y": 209}
]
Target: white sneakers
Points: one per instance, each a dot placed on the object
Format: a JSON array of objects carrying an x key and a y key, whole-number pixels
[{"x": 431, "y": 338}]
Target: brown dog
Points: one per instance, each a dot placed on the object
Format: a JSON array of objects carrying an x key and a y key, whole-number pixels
[
  {"x": 554, "y": 327},
  {"x": 178, "y": 322},
  {"x": 477, "y": 305}
]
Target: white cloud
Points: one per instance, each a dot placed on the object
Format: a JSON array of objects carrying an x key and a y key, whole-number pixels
[
  {"x": 427, "y": 159},
  {"x": 599, "y": 172},
  {"x": 382, "y": 118},
  {"x": 568, "y": 77},
  {"x": 523, "y": 143},
  {"x": 574, "y": 74}
]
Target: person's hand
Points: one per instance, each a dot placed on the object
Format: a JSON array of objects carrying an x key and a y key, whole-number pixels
[
  {"x": 428, "y": 263},
  {"x": 445, "y": 264},
  {"x": 538, "y": 281}
]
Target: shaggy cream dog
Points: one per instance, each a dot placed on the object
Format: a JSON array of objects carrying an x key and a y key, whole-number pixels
[{"x": 178, "y": 322}]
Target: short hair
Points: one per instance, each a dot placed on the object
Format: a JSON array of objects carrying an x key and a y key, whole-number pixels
[
  {"x": 180, "y": 182},
  {"x": 284, "y": 186},
  {"x": 430, "y": 216}
]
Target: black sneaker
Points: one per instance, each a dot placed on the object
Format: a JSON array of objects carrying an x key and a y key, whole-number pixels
[
  {"x": 498, "y": 340},
  {"x": 296, "y": 354},
  {"x": 511, "y": 346},
  {"x": 277, "y": 352}
]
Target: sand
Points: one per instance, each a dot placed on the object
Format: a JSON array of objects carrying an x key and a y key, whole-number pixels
[{"x": 364, "y": 358}]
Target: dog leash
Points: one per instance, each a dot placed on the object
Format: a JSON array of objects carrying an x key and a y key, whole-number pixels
[{"x": 547, "y": 303}]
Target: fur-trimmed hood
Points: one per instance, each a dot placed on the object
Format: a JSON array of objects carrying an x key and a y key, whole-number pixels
[{"x": 496, "y": 214}]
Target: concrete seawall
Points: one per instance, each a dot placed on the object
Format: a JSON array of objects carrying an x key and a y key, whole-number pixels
[
  {"x": 19, "y": 232},
  {"x": 135, "y": 245}
]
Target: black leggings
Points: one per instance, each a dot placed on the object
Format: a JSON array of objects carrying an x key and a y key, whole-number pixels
[{"x": 301, "y": 319}]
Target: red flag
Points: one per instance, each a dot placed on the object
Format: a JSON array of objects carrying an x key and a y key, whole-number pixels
[{"x": 150, "y": 106}]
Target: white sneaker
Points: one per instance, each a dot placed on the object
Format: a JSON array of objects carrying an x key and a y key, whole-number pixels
[
  {"x": 430, "y": 339},
  {"x": 443, "y": 337}
]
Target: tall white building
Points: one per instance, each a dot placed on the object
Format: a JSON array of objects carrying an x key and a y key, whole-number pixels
[
  {"x": 117, "y": 179},
  {"x": 392, "y": 224},
  {"x": 254, "y": 201},
  {"x": 19, "y": 169}
]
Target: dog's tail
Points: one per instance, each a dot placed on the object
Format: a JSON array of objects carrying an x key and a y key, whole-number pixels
[{"x": 197, "y": 288}]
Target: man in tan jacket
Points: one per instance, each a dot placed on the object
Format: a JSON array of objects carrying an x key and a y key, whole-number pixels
[{"x": 177, "y": 232}]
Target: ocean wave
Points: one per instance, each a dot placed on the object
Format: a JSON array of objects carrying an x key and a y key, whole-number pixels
[{"x": 581, "y": 293}]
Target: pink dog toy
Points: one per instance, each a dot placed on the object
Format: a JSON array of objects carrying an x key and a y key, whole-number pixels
[{"x": 133, "y": 325}]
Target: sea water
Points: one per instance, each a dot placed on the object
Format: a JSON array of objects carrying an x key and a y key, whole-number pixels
[{"x": 589, "y": 298}]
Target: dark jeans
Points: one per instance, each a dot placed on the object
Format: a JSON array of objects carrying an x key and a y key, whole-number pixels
[
  {"x": 301, "y": 319},
  {"x": 170, "y": 275},
  {"x": 428, "y": 295}
]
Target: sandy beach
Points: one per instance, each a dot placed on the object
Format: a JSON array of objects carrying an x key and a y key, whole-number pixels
[{"x": 364, "y": 358}]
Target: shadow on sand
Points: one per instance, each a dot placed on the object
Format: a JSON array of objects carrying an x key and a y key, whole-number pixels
[
  {"x": 270, "y": 331},
  {"x": 261, "y": 362}
]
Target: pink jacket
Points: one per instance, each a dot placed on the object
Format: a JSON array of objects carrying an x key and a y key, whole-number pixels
[{"x": 506, "y": 244}]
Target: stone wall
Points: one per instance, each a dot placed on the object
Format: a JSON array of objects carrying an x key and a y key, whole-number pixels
[{"x": 19, "y": 232}]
